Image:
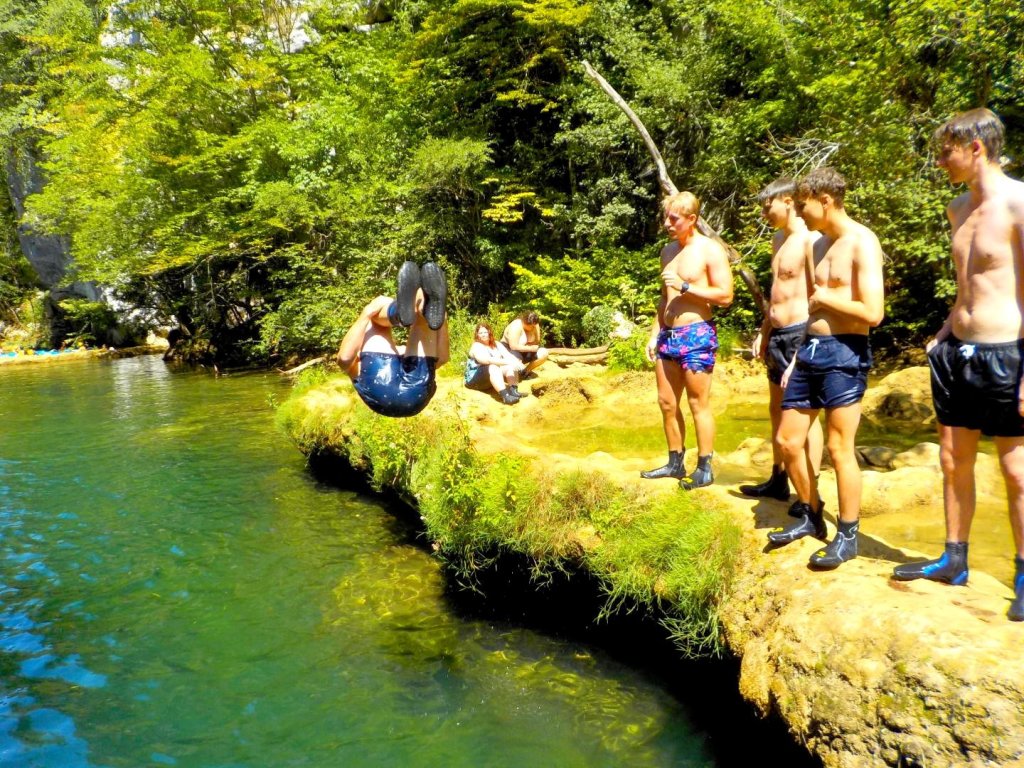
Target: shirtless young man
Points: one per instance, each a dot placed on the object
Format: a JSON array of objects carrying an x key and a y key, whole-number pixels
[
  {"x": 392, "y": 380},
  {"x": 785, "y": 325},
  {"x": 695, "y": 277},
  {"x": 831, "y": 367},
  {"x": 976, "y": 356},
  {"x": 521, "y": 337}
]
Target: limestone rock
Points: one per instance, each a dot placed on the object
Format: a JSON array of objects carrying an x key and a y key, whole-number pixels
[{"x": 902, "y": 396}]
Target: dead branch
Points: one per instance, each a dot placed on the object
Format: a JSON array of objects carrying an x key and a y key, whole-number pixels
[
  {"x": 304, "y": 366},
  {"x": 669, "y": 187}
]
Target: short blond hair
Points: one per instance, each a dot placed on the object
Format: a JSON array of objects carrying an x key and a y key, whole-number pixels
[{"x": 685, "y": 203}]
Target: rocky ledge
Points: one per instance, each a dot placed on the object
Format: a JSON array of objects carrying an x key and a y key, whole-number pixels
[{"x": 864, "y": 670}]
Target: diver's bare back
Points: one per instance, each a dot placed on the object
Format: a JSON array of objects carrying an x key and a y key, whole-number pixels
[
  {"x": 988, "y": 251},
  {"x": 691, "y": 264},
  {"x": 837, "y": 262},
  {"x": 789, "y": 278}
]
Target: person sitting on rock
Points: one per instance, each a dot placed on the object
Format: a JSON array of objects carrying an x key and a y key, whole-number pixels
[
  {"x": 492, "y": 367},
  {"x": 521, "y": 337},
  {"x": 393, "y": 380}
]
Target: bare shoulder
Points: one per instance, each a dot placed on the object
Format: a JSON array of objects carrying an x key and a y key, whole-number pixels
[
  {"x": 867, "y": 242},
  {"x": 777, "y": 240},
  {"x": 959, "y": 206},
  {"x": 713, "y": 250},
  {"x": 1014, "y": 191}
]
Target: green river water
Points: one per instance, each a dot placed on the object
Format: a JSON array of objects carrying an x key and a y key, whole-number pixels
[{"x": 176, "y": 588}]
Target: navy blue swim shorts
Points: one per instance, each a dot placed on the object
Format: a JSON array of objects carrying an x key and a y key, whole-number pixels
[
  {"x": 393, "y": 385},
  {"x": 830, "y": 372},
  {"x": 782, "y": 345}
]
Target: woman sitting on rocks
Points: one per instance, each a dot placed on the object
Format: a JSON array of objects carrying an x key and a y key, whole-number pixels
[{"x": 492, "y": 367}]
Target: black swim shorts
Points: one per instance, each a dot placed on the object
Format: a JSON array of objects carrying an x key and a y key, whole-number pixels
[
  {"x": 830, "y": 372},
  {"x": 393, "y": 385},
  {"x": 975, "y": 386},
  {"x": 782, "y": 345}
]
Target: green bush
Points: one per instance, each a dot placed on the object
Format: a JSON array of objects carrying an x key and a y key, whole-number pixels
[
  {"x": 629, "y": 354},
  {"x": 598, "y": 325}
]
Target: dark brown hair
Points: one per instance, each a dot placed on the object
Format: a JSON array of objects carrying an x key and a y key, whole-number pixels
[
  {"x": 981, "y": 124},
  {"x": 822, "y": 181},
  {"x": 530, "y": 317},
  {"x": 781, "y": 187}
]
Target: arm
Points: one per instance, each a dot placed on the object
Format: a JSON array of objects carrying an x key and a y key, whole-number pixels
[
  {"x": 510, "y": 338},
  {"x": 1017, "y": 242},
  {"x": 718, "y": 291},
  {"x": 868, "y": 287}
]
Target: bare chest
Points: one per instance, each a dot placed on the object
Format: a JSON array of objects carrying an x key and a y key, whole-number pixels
[
  {"x": 983, "y": 242},
  {"x": 835, "y": 269}
]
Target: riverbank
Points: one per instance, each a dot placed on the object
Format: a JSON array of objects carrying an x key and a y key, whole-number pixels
[
  {"x": 865, "y": 671},
  {"x": 103, "y": 353}
]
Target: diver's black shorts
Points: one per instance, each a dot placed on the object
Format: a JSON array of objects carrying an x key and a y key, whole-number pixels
[
  {"x": 830, "y": 372},
  {"x": 393, "y": 385},
  {"x": 975, "y": 386},
  {"x": 782, "y": 345}
]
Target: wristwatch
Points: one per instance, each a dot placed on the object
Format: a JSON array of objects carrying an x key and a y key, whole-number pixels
[{"x": 685, "y": 286}]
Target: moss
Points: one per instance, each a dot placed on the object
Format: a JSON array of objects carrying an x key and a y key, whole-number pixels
[{"x": 663, "y": 554}]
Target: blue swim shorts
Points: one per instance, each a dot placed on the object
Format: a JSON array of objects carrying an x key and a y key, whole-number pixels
[
  {"x": 692, "y": 346},
  {"x": 830, "y": 372},
  {"x": 393, "y": 385}
]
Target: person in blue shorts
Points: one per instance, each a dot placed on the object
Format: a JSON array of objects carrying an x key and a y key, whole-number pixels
[
  {"x": 695, "y": 277},
  {"x": 394, "y": 380},
  {"x": 830, "y": 368}
]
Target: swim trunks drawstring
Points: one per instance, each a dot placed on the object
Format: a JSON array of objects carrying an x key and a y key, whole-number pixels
[
  {"x": 966, "y": 350},
  {"x": 814, "y": 346}
]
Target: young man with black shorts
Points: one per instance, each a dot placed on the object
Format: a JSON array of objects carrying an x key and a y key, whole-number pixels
[
  {"x": 785, "y": 323},
  {"x": 392, "y": 380},
  {"x": 830, "y": 369},
  {"x": 695, "y": 277},
  {"x": 975, "y": 358}
]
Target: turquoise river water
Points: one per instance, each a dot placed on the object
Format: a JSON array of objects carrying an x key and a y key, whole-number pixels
[{"x": 176, "y": 588}]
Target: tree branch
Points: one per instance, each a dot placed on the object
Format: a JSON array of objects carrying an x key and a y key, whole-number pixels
[{"x": 669, "y": 187}]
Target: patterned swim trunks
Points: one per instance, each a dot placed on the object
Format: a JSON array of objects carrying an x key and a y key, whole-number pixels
[{"x": 692, "y": 346}]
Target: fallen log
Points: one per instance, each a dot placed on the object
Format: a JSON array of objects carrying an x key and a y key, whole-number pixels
[{"x": 304, "y": 366}]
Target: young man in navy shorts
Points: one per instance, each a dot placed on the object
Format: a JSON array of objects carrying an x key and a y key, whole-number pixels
[
  {"x": 975, "y": 358},
  {"x": 393, "y": 380},
  {"x": 830, "y": 369}
]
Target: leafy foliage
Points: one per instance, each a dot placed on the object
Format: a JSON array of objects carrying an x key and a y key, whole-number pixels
[{"x": 257, "y": 169}]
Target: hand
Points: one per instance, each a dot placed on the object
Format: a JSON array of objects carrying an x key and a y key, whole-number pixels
[
  {"x": 787, "y": 373},
  {"x": 931, "y": 345},
  {"x": 652, "y": 350},
  {"x": 758, "y": 348},
  {"x": 1020, "y": 399},
  {"x": 820, "y": 298},
  {"x": 670, "y": 279}
]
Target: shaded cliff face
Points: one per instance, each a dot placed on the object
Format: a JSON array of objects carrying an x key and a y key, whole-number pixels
[{"x": 49, "y": 255}]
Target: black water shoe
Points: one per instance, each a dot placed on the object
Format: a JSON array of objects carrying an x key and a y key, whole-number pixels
[
  {"x": 1016, "y": 612},
  {"x": 674, "y": 468},
  {"x": 842, "y": 548},
  {"x": 405, "y": 293},
  {"x": 435, "y": 292},
  {"x": 811, "y": 523},
  {"x": 775, "y": 487},
  {"x": 701, "y": 475},
  {"x": 950, "y": 568}
]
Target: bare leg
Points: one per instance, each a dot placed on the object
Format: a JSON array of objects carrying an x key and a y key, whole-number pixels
[
  {"x": 775, "y": 414},
  {"x": 794, "y": 427},
  {"x": 542, "y": 357},
  {"x": 494, "y": 375},
  {"x": 1011, "y": 462},
  {"x": 670, "y": 393},
  {"x": 424, "y": 341},
  {"x": 698, "y": 396},
  {"x": 842, "y": 439},
  {"x": 958, "y": 449},
  {"x": 815, "y": 443}
]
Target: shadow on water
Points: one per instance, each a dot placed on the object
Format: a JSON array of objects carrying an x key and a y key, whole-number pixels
[{"x": 506, "y": 593}]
